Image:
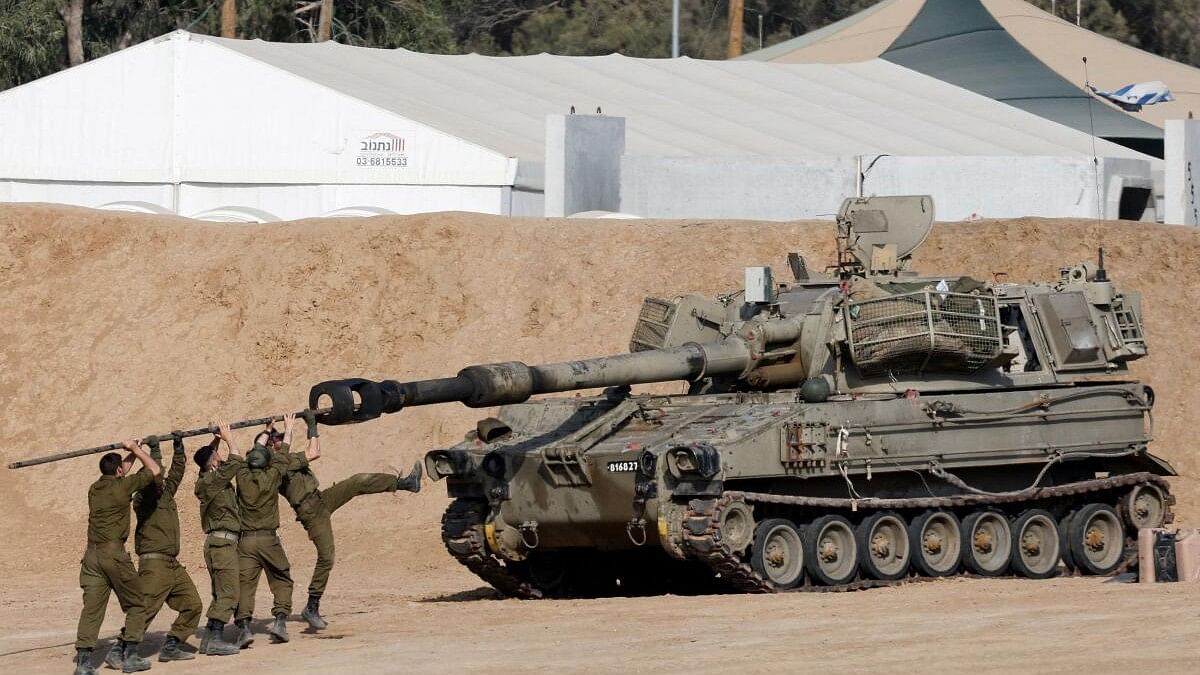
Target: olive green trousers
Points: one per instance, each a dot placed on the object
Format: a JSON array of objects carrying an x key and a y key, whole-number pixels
[
  {"x": 258, "y": 554},
  {"x": 104, "y": 570},
  {"x": 221, "y": 558},
  {"x": 316, "y": 519},
  {"x": 167, "y": 581}
]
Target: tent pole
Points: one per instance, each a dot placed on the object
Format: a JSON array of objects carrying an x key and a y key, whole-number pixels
[{"x": 675, "y": 29}]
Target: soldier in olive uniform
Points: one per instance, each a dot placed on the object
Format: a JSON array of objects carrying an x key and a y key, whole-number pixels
[
  {"x": 219, "y": 520},
  {"x": 259, "y": 549},
  {"x": 156, "y": 542},
  {"x": 106, "y": 566},
  {"x": 314, "y": 506}
]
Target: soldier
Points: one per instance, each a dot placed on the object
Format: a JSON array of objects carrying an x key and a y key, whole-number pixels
[
  {"x": 314, "y": 506},
  {"x": 259, "y": 548},
  {"x": 219, "y": 520},
  {"x": 156, "y": 542},
  {"x": 106, "y": 566}
]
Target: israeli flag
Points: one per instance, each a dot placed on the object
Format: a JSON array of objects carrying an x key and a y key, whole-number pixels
[{"x": 1132, "y": 97}]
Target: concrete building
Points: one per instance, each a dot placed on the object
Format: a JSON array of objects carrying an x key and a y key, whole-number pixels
[{"x": 251, "y": 131}]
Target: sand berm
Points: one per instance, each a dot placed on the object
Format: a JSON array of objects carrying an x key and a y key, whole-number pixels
[{"x": 116, "y": 325}]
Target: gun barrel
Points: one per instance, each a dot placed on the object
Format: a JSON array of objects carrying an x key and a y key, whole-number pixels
[
  {"x": 512, "y": 382},
  {"x": 481, "y": 386}
]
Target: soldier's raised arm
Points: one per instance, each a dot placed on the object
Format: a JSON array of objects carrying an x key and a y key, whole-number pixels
[
  {"x": 178, "y": 464},
  {"x": 135, "y": 447},
  {"x": 314, "y": 442},
  {"x": 289, "y": 423},
  {"x": 226, "y": 435}
]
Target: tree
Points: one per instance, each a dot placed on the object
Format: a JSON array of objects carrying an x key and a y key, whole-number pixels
[
  {"x": 325, "y": 23},
  {"x": 38, "y": 37},
  {"x": 72, "y": 14},
  {"x": 228, "y": 18},
  {"x": 32, "y": 40}
]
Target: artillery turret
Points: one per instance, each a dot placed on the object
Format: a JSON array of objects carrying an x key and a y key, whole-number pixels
[{"x": 848, "y": 428}]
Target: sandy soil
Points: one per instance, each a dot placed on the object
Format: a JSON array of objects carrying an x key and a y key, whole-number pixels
[{"x": 114, "y": 325}]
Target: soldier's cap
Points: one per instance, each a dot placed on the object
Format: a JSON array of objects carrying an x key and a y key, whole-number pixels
[
  {"x": 203, "y": 456},
  {"x": 205, "y": 453}
]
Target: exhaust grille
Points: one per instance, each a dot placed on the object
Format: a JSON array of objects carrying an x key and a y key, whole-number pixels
[{"x": 654, "y": 320}]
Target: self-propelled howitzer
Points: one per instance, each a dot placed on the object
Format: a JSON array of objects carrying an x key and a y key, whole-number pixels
[{"x": 841, "y": 430}]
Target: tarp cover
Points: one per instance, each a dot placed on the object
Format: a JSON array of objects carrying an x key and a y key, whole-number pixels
[
  {"x": 960, "y": 42},
  {"x": 1009, "y": 50}
]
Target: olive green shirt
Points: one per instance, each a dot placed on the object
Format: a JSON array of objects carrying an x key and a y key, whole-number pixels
[
  {"x": 258, "y": 493},
  {"x": 108, "y": 506},
  {"x": 299, "y": 481},
  {"x": 218, "y": 499},
  {"x": 157, "y": 528}
]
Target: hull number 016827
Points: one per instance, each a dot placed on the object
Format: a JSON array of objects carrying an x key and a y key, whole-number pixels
[{"x": 617, "y": 467}]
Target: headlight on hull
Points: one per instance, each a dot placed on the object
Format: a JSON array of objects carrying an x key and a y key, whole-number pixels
[
  {"x": 447, "y": 463},
  {"x": 700, "y": 460},
  {"x": 494, "y": 465}
]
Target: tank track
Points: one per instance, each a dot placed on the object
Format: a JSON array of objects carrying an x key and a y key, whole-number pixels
[
  {"x": 702, "y": 534},
  {"x": 464, "y": 537}
]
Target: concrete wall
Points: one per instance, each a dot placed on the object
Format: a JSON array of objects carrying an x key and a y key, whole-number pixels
[
  {"x": 583, "y": 163},
  {"x": 963, "y": 188},
  {"x": 760, "y": 188},
  {"x": 1181, "y": 202},
  {"x": 966, "y": 188}
]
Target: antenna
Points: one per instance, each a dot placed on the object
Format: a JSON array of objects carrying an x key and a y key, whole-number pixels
[{"x": 1087, "y": 85}]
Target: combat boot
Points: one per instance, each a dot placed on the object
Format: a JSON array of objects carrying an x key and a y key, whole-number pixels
[
  {"x": 132, "y": 662},
  {"x": 116, "y": 655},
  {"x": 213, "y": 643},
  {"x": 83, "y": 662},
  {"x": 312, "y": 613},
  {"x": 278, "y": 629},
  {"x": 171, "y": 651},
  {"x": 244, "y": 637},
  {"x": 411, "y": 482}
]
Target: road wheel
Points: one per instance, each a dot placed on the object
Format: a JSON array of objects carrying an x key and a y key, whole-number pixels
[
  {"x": 549, "y": 572},
  {"x": 987, "y": 543},
  {"x": 882, "y": 540},
  {"x": 736, "y": 522},
  {"x": 1035, "y": 544},
  {"x": 1097, "y": 539},
  {"x": 830, "y": 553},
  {"x": 778, "y": 553},
  {"x": 1064, "y": 542},
  {"x": 1145, "y": 506},
  {"x": 935, "y": 538}
]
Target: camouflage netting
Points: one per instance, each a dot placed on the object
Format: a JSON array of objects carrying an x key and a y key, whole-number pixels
[{"x": 922, "y": 327}]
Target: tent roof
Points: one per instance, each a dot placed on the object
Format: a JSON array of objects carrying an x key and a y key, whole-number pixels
[
  {"x": 679, "y": 107},
  {"x": 1005, "y": 49}
]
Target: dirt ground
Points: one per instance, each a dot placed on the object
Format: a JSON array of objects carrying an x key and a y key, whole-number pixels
[{"x": 114, "y": 325}]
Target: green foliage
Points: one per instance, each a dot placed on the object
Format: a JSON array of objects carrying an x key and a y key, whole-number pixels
[
  {"x": 1169, "y": 28},
  {"x": 634, "y": 28},
  {"x": 31, "y": 40},
  {"x": 32, "y": 32},
  {"x": 1099, "y": 16}
]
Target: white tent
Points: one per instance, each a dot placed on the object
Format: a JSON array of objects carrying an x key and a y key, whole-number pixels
[{"x": 251, "y": 131}]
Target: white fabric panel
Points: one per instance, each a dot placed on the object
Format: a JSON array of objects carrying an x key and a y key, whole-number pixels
[
  {"x": 107, "y": 119},
  {"x": 138, "y": 197},
  {"x": 260, "y": 203},
  {"x": 290, "y": 202},
  {"x": 197, "y": 109},
  {"x": 682, "y": 107},
  {"x": 265, "y": 125}
]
